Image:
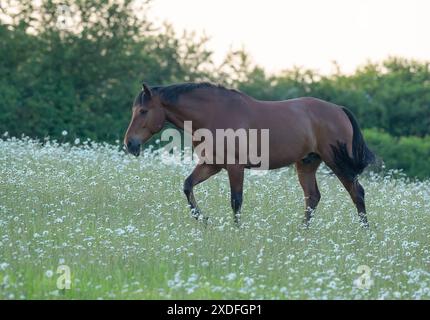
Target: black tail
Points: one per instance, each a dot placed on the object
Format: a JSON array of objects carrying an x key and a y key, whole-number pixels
[{"x": 349, "y": 167}]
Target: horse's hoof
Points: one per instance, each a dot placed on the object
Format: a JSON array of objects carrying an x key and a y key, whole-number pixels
[
  {"x": 236, "y": 220},
  {"x": 365, "y": 225},
  {"x": 306, "y": 223},
  {"x": 195, "y": 213}
]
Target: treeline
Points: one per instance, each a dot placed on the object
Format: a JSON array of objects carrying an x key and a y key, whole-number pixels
[
  {"x": 409, "y": 153},
  {"x": 77, "y": 65}
]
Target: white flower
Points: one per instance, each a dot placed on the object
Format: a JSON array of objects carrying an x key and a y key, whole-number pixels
[
  {"x": 119, "y": 231},
  {"x": 64, "y": 133},
  {"x": 130, "y": 228},
  {"x": 231, "y": 276},
  {"x": 49, "y": 273},
  {"x": 190, "y": 290},
  {"x": 3, "y": 265},
  {"x": 77, "y": 141},
  {"x": 248, "y": 281},
  {"x": 193, "y": 278}
]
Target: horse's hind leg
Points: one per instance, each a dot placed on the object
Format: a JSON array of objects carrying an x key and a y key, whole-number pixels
[
  {"x": 356, "y": 191},
  {"x": 306, "y": 170},
  {"x": 200, "y": 173},
  {"x": 354, "y": 188}
]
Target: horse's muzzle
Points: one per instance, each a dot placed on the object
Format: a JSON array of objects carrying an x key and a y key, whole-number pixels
[{"x": 133, "y": 146}]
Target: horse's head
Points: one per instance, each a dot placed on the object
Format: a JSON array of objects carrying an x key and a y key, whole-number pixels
[{"x": 147, "y": 118}]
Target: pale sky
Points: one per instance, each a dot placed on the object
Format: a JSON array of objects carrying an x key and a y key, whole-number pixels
[{"x": 311, "y": 33}]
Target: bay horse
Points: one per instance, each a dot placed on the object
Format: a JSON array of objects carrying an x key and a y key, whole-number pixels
[{"x": 303, "y": 131}]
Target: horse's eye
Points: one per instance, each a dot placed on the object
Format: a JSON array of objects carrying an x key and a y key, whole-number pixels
[{"x": 143, "y": 111}]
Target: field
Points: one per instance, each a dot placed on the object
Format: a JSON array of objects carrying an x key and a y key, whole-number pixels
[{"x": 122, "y": 227}]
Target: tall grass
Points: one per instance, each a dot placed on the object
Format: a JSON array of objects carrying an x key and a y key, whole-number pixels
[{"x": 123, "y": 228}]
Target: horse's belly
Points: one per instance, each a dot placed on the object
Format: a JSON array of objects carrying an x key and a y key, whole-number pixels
[
  {"x": 279, "y": 156},
  {"x": 287, "y": 149}
]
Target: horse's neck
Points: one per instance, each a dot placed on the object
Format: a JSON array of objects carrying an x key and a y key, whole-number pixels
[
  {"x": 179, "y": 115},
  {"x": 172, "y": 118}
]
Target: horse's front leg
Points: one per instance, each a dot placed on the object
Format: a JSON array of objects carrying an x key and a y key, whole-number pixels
[
  {"x": 200, "y": 173},
  {"x": 235, "y": 175}
]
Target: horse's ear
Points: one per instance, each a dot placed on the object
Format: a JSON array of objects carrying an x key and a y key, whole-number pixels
[{"x": 146, "y": 90}]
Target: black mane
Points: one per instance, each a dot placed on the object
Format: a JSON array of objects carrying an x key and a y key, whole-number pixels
[{"x": 171, "y": 93}]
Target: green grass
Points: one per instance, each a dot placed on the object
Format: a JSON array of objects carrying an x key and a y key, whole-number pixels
[{"x": 123, "y": 227}]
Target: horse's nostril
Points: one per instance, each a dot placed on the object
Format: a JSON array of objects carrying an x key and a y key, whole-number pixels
[{"x": 133, "y": 146}]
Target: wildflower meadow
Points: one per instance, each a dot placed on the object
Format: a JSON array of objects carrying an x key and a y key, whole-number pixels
[{"x": 84, "y": 220}]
